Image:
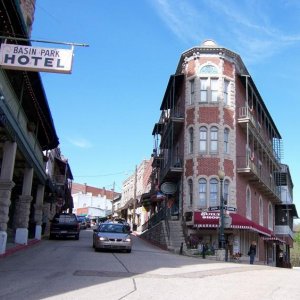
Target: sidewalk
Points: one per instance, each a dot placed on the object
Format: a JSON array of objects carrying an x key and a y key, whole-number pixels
[{"x": 13, "y": 247}]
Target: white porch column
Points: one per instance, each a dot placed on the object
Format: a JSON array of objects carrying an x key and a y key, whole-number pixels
[
  {"x": 21, "y": 217},
  {"x": 46, "y": 216},
  {"x": 6, "y": 186},
  {"x": 38, "y": 211}
]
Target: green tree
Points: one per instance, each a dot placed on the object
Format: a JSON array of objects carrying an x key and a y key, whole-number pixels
[{"x": 295, "y": 251}]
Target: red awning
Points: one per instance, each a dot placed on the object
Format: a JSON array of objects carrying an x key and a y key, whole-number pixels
[
  {"x": 274, "y": 239},
  {"x": 211, "y": 220}
]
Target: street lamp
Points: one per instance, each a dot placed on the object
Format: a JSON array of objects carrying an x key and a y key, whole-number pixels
[{"x": 221, "y": 175}]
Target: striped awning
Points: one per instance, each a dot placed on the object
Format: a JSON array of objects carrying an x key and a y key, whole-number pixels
[
  {"x": 212, "y": 220},
  {"x": 273, "y": 238}
]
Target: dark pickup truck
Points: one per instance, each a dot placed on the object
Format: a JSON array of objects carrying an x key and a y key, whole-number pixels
[{"x": 64, "y": 225}]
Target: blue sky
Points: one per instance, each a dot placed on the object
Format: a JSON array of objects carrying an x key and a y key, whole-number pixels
[{"x": 105, "y": 110}]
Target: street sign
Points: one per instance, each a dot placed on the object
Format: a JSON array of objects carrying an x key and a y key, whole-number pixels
[{"x": 213, "y": 208}]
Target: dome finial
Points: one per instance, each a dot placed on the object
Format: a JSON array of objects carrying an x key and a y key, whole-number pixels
[{"x": 209, "y": 43}]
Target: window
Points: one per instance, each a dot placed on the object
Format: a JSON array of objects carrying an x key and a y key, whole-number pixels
[
  {"x": 192, "y": 91},
  {"x": 261, "y": 211},
  {"x": 226, "y": 192},
  {"x": 213, "y": 192},
  {"x": 191, "y": 140},
  {"x": 248, "y": 203},
  {"x": 202, "y": 192},
  {"x": 190, "y": 192},
  {"x": 208, "y": 69},
  {"x": 214, "y": 139},
  {"x": 270, "y": 217},
  {"x": 203, "y": 89},
  {"x": 214, "y": 90},
  {"x": 226, "y": 140},
  {"x": 209, "y": 90},
  {"x": 203, "y": 139},
  {"x": 225, "y": 92}
]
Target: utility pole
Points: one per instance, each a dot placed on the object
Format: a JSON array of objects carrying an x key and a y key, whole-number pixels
[
  {"x": 134, "y": 198},
  {"x": 112, "y": 202}
]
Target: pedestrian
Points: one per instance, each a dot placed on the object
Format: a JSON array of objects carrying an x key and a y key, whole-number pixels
[
  {"x": 252, "y": 252},
  {"x": 204, "y": 248}
]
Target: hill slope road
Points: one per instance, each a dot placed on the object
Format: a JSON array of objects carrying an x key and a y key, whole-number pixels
[{"x": 70, "y": 269}]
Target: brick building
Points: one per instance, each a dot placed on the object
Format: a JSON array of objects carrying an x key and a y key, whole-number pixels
[
  {"x": 215, "y": 133},
  {"x": 133, "y": 187}
]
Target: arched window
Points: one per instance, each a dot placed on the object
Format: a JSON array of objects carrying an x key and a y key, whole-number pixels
[
  {"x": 270, "y": 217},
  {"x": 208, "y": 83},
  {"x": 203, "y": 139},
  {"x": 202, "y": 192},
  {"x": 213, "y": 192},
  {"x": 214, "y": 139},
  {"x": 208, "y": 69},
  {"x": 248, "y": 203},
  {"x": 261, "y": 211},
  {"x": 226, "y": 140},
  {"x": 226, "y": 192},
  {"x": 190, "y": 192},
  {"x": 191, "y": 140}
]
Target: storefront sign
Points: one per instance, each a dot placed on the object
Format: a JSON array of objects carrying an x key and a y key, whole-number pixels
[
  {"x": 168, "y": 188},
  {"x": 210, "y": 215},
  {"x": 37, "y": 59}
]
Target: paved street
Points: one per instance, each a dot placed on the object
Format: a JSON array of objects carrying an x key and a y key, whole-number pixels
[{"x": 69, "y": 269}]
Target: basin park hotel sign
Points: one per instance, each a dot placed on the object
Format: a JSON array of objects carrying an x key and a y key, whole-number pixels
[{"x": 19, "y": 57}]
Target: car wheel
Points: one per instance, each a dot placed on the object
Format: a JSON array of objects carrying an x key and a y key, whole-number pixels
[
  {"x": 51, "y": 237},
  {"x": 77, "y": 237},
  {"x": 128, "y": 250},
  {"x": 96, "y": 249}
]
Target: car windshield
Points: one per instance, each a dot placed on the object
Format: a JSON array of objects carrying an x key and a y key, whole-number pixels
[
  {"x": 115, "y": 228},
  {"x": 65, "y": 219}
]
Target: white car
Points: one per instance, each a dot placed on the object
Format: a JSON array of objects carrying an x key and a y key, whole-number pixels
[{"x": 112, "y": 235}]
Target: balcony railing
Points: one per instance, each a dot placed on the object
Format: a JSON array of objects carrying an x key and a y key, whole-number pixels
[
  {"x": 173, "y": 123},
  {"x": 155, "y": 219},
  {"x": 284, "y": 230},
  {"x": 59, "y": 179},
  {"x": 245, "y": 116},
  {"x": 256, "y": 172},
  {"x": 172, "y": 167}
]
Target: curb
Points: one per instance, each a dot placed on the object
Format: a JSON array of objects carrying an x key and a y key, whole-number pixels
[{"x": 19, "y": 247}]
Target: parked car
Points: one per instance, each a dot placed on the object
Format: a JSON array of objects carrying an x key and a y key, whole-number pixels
[
  {"x": 88, "y": 222},
  {"x": 112, "y": 235},
  {"x": 64, "y": 225},
  {"x": 82, "y": 222}
]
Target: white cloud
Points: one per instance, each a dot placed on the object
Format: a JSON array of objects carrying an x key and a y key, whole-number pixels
[
  {"x": 251, "y": 28},
  {"x": 80, "y": 143}
]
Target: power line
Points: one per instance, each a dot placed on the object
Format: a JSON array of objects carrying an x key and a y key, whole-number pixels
[{"x": 102, "y": 175}]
